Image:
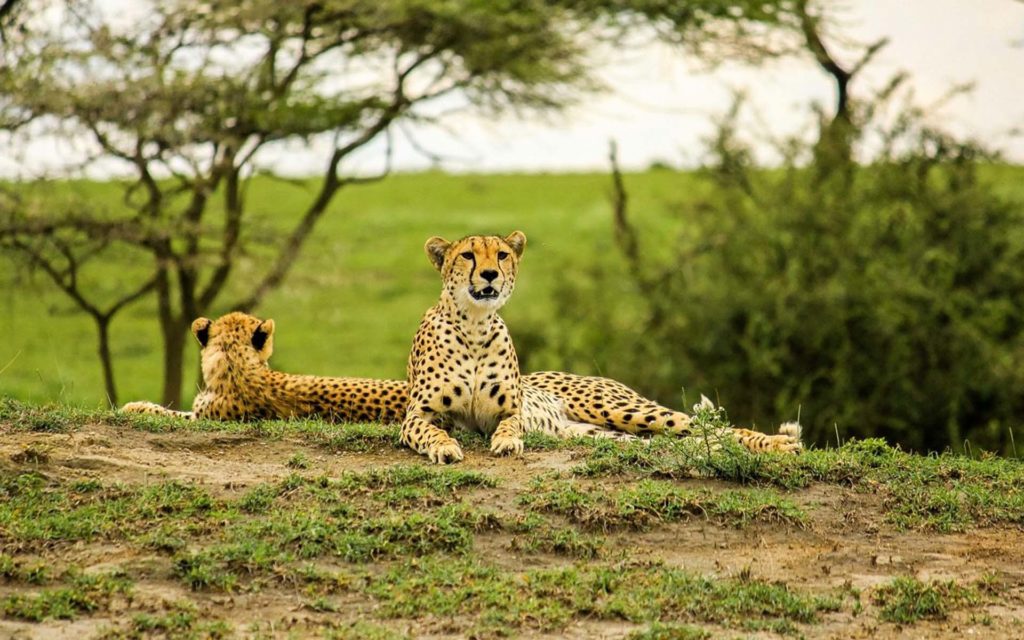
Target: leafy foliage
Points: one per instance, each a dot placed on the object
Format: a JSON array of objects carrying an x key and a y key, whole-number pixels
[{"x": 875, "y": 299}]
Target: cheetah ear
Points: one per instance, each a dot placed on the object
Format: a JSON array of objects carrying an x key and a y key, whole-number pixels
[
  {"x": 201, "y": 330},
  {"x": 516, "y": 240},
  {"x": 262, "y": 334},
  {"x": 436, "y": 249}
]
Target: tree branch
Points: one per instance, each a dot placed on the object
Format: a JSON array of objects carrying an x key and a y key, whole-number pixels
[
  {"x": 625, "y": 234},
  {"x": 809, "y": 27},
  {"x": 331, "y": 183}
]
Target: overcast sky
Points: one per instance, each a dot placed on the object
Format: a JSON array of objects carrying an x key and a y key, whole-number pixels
[{"x": 661, "y": 106}]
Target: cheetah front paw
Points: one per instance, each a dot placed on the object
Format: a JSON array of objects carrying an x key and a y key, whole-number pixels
[
  {"x": 445, "y": 452},
  {"x": 506, "y": 445}
]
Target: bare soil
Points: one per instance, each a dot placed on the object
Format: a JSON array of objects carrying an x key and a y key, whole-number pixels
[{"x": 846, "y": 542}]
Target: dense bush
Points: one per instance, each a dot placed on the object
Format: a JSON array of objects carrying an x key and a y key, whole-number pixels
[{"x": 880, "y": 299}]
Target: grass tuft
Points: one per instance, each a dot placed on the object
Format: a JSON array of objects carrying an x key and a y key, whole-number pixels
[
  {"x": 551, "y": 599},
  {"x": 182, "y": 622},
  {"x": 907, "y": 600},
  {"x": 651, "y": 502},
  {"x": 946, "y": 492},
  {"x": 84, "y": 594},
  {"x": 658, "y": 631}
]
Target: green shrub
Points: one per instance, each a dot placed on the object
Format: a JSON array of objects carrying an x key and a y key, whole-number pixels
[{"x": 882, "y": 299}]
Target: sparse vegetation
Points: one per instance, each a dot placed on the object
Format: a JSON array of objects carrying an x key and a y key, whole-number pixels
[
  {"x": 658, "y": 631},
  {"x": 181, "y": 622},
  {"x": 83, "y": 594},
  {"x": 549, "y": 599},
  {"x": 652, "y": 502},
  {"x": 497, "y": 550},
  {"x": 944, "y": 492}
]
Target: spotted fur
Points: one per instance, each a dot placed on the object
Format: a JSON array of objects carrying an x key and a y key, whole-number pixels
[
  {"x": 463, "y": 370},
  {"x": 240, "y": 385}
]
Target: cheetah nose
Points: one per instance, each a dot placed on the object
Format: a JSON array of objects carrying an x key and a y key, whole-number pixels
[{"x": 489, "y": 275}]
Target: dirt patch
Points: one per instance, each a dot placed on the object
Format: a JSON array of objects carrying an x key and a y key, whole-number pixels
[{"x": 844, "y": 545}]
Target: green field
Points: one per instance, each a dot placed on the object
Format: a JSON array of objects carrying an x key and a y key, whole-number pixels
[
  {"x": 354, "y": 298},
  {"x": 353, "y": 301}
]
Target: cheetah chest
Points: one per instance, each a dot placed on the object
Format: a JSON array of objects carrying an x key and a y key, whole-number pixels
[{"x": 483, "y": 385}]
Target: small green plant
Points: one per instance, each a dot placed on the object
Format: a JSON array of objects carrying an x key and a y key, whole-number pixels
[
  {"x": 658, "y": 631},
  {"x": 550, "y": 599},
  {"x": 181, "y": 622},
  {"x": 31, "y": 573},
  {"x": 200, "y": 572},
  {"x": 299, "y": 460},
  {"x": 563, "y": 542},
  {"x": 906, "y": 600},
  {"x": 363, "y": 631},
  {"x": 650, "y": 502},
  {"x": 84, "y": 594}
]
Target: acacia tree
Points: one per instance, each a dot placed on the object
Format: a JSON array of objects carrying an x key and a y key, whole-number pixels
[{"x": 188, "y": 99}]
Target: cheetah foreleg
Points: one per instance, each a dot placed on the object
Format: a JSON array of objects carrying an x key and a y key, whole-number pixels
[
  {"x": 508, "y": 437},
  {"x": 423, "y": 437}
]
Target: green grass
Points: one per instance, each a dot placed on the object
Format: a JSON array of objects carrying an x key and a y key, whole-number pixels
[
  {"x": 651, "y": 502},
  {"x": 941, "y": 492},
  {"x": 12, "y": 570},
  {"x": 907, "y": 600},
  {"x": 84, "y": 594},
  {"x": 422, "y": 547},
  {"x": 34, "y": 512},
  {"x": 355, "y": 297},
  {"x": 550, "y": 599},
  {"x": 181, "y": 622},
  {"x": 304, "y": 515},
  {"x": 658, "y": 631},
  {"x": 534, "y": 534}
]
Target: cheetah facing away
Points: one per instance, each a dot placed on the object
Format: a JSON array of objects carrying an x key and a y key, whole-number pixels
[
  {"x": 463, "y": 370},
  {"x": 240, "y": 385}
]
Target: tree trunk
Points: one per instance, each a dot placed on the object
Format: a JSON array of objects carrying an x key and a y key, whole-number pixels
[
  {"x": 103, "y": 329},
  {"x": 174, "y": 355},
  {"x": 172, "y": 330}
]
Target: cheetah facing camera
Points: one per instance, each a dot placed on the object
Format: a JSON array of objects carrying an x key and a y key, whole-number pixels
[
  {"x": 463, "y": 370},
  {"x": 240, "y": 385}
]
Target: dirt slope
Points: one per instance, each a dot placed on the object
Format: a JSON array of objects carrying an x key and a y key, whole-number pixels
[{"x": 844, "y": 545}]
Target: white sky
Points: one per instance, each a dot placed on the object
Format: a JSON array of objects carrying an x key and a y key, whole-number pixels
[{"x": 661, "y": 106}]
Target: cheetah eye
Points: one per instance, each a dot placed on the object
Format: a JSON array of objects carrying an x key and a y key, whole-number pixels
[
  {"x": 502, "y": 255},
  {"x": 468, "y": 255}
]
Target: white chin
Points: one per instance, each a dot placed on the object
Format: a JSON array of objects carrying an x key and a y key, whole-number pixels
[{"x": 483, "y": 304}]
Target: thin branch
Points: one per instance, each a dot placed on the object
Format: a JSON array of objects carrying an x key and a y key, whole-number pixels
[
  {"x": 146, "y": 287},
  {"x": 625, "y": 234},
  {"x": 331, "y": 183},
  {"x": 58, "y": 278},
  {"x": 234, "y": 208},
  {"x": 869, "y": 55}
]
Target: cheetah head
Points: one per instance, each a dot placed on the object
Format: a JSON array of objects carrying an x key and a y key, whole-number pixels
[
  {"x": 479, "y": 272},
  {"x": 233, "y": 341}
]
